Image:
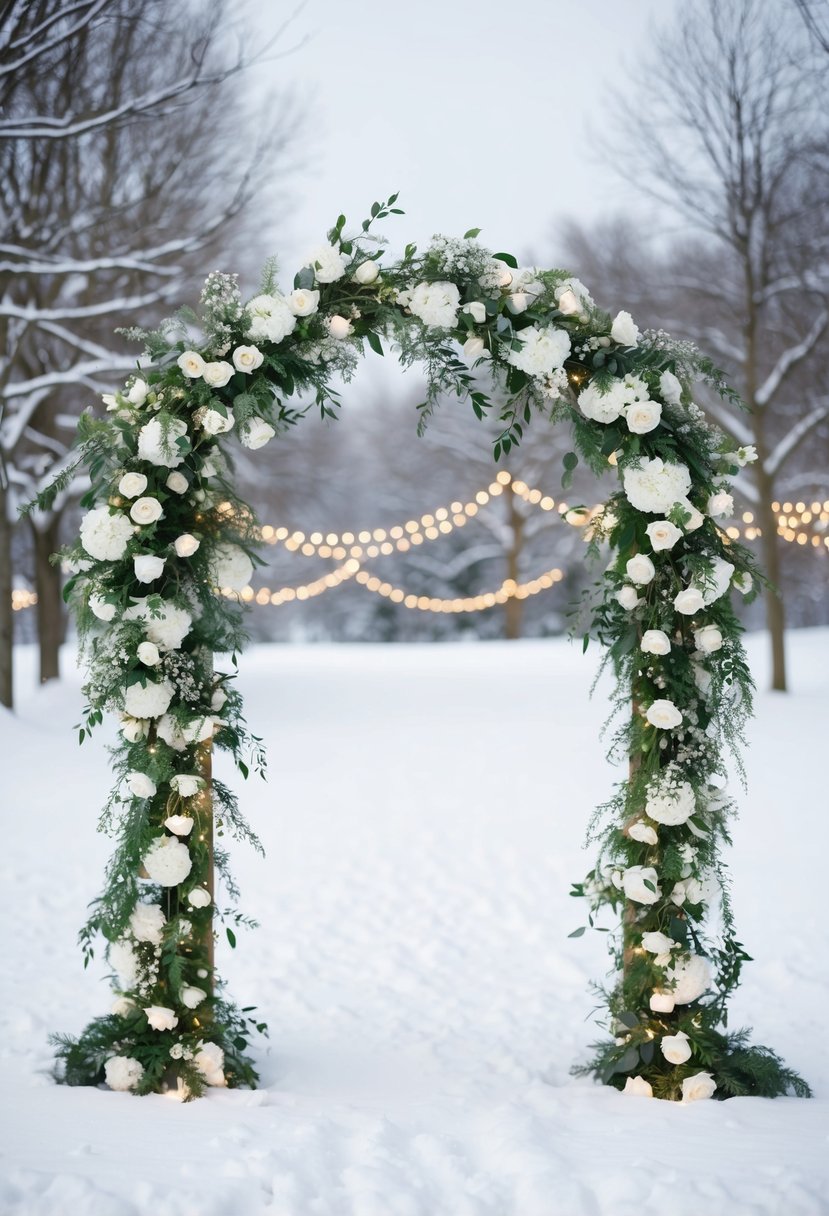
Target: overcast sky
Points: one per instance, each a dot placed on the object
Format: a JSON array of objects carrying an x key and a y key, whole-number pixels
[{"x": 478, "y": 111}]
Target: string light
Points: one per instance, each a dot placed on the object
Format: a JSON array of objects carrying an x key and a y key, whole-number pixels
[{"x": 508, "y": 590}]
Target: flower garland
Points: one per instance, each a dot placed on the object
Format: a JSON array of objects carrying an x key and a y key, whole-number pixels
[{"x": 164, "y": 531}]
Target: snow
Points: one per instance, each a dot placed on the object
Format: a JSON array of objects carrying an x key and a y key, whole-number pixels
[{"x": 423, "y": 821}]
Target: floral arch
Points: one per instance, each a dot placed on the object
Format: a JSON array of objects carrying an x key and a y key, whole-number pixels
[{"x": 165, "y": 531}]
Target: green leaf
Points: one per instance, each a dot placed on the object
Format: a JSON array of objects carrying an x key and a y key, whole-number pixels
[
  {"x": 578, "y": 932},
  {"x": 231, "y": 937},
  {"x": 508, "y": 258},
  {"x": 374, "y": 342},
  {"x": 570, "y": 460},
  {"x": 471, "y": 233}
]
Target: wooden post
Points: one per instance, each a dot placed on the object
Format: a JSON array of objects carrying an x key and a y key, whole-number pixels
[{"x": 205, "y": 761}]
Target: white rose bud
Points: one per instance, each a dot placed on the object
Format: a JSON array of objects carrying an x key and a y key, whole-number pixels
[
  {"x": 518, "y": 302},
  {"x": 720, "y": 505},
  {"x": 178, "y": 483},
  {"x": 655, "y": 641},
  {"x": 662, "y": 1002},
  {"x": 339, "y": 327},
  {"x": 192, "y": 364},
  {"x": 218, "y": 699},
  {"x": 569, "y": 303},
  {"x": 658, "y": 943},
  {"x": 642, "y": 832},
  {"x": 689, "y": 601},
  {"x": 663, "y": 534},
  {"x": 148, "y": 654},
  {"x": 302, "y": 302},
  {"x": 213, "y": 422},
  {"x": 132, "y": 484},
  {"x": 148, "y": 567},
  {"x": 675, "y": 1047},
  {"x": 247, "y": 358},
  {"x": 664, "y": 715},
  {"x": 191, "y": 997},
  {"x": 708, "y": 639},
  {"x": 670, "y": 388},
  {"x": 186, "y": 545},
  {"x": 640, "y": 570},
  {"x": 743, "y": 582},
  {"x": 186, "y": 784},
  {"x": 100, "y": 608},
  {"x": 627, "y": 597},
  {"x": 255, "y": 433},
  {"x": 639, "y": 1087},
  {"x": 473, "y": 348},
  {"x": 161, "y": 1018},
  {"x": 141, "y": 785},
  {"x": 476, "y": 310},
  {"x": 145, "y": 511},
  {"x": 695, "y": 518},
  {"x": 198, "y": 897},
  {"x": 640, "y": 884},
  {"x": 366, "y": 272},
  {"x": 137, "y": 394},
  {"x": 180, "y": 825},
  {"x": 701, "y": 1085},
  {"x": 217, "y": 374},
  {"x": 624, "y": 330},
  {"x": 643, "y": 416}
]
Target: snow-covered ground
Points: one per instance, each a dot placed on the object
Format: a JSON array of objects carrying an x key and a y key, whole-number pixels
[{"x": 423, "y": 821}]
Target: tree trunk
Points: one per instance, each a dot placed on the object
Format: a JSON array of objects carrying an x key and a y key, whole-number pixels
[
  {"x": 50, "y": 619},
  {"x": 513, "y": 608},
  {"x": 6, "y": 613},
  {"x": 775, "y": 608}
]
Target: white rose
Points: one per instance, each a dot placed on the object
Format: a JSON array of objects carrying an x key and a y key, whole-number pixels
[
  {"x": 122, "y": 1007},
  {"x": 663, "y": 534},
  {"x": 247, "y": 358},
  {"x": 327, "y": 263},
  {"x": 570, "y": 290},
  {"x": 217, "y": 374},
  {"x": 141, "y": 785},
  {"x": 148, "y": 700},
  {"x": 670, "y": 388},
  {"x": 568, "y": 302},
  {"x": 603, "y": 405},
  {"x": 192, "y": 364},
  {"x": 634, "y": 879},
  {"x": 642, "y": 832},
  {"x": 105, "y": 535},
  {"x": 653, "y": 486},
  {"x": 720, "y": 505},
  {"x": 664, "y": 714},
  {"x": 643, "y": 416},
  {"x": 186, "y": 545},
  {"x": 133, "y": 729},
  {"x": 218, "y": 699},
  {"x": 640, "y": 570},
  {"x": 178, "y": 737},
  {"x": 717, "y": 581},
  {"x": 518, "y": 302},
  {"x": 123, "y": 1072},
  {"x": 339, "y": 327},
  {"x": 132, "y": 484},
  {"x": 302, "y": 302},
  {"x": 658, "y": 943},
  {"x": 209, "y": 1060},
  {"x": 161, "y": 1018},
  {"x": 701, "y": 1085},
  {"x": 232, "y": 568},
  {"x": 138, "y": 391},
  {"x": 180, "y": 825},
  {"x": 100, "y": 608},
  {"x": 148, "y": 567},
  {"x": 476, "y": 310},
  {"x": 198, "y": 897},
  {"x": 542, "y": 352},
  {"x": 743, "y": 582},
  {"x": 655, "y": 641},
  {"x": 662, "y": 1002},
  {"x": 670, "y": 803},
  {"x": 167, "y": 629},
  {"x": 146, "y": 510},
  {"x": 691, "y": 978},
  {"x": 123, "y": 960},
  {"x": 213, "y": 422},
  {"x": 624, "y": 329},
  {"x": 192, "y": 997},
  {"x": 178, "y": 483},
  {"x": 186, "y": 784},
  {"x": 255, "y": 433},
  {"x": 436, "y": 304},
  {"x": 708, "y": 639},
  {"x": 695, "y": 518},
  {"x": 147, "y": 922},
  {"x": 689, "y": 601},
  {"x": 158, "y": 441},
  {"x": 271, "y": 318},
  {"x": 675, "y": 1047},
  {"x": 168, "y": 861},
  {"x": 473, "y": 348},
  {"x": 366, "y": 273},
  {"x": 627, "y": 597},
  {"x": 639, "y": 1087}
]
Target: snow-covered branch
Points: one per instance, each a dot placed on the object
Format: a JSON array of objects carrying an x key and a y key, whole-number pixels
[
  {"x": 794, "y": 355},
  {"x": 795, "y": 437}
]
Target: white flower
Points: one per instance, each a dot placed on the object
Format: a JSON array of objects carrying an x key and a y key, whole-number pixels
[
  {"x": 217, "y": 374},
  {"x": 232, "y": 568},
  {"x": 100, "y": 608},
  {"x": 186, "y": 545},
  {"x": 658, "y": 943},
  {"x": 247, "y": 358},
  {"x": 643, "y": 416},
  {"x": 689, "y": 601},
  {"x": 168, "y": 861},
  {"x": 624, "y": 329},
  {"x": 123, "y": 1072},
  {"x": 542, "y": 352},
  {"x": 654, "y": 486},
  {"x": 147, "y": 922},
  {"x": 148, "y": 700},
  {"x": 746, "y": 455},
  {"x": 634, "y": 880},
  {"x": 255, "y": 433},
  {"x": 720, "y": 505},
  {"x": 743, "y": 582},
  {"x": 167, "y": 628},
  {"x": 178, "y": 737},
  {"x": 132, "y": 484},
  {"x": 218, "y": 699},
  {"x": 473, "y": 348},
  {"x": 271, "y": 318},
  {"x": 138, "y": 391},
  {"x": 366, "y": 273},
  {"x": 178, "y": 483},
  {"x": 134, "y": 729},
  {"x": 708, "y": 639},
  {"x": 663, "y": 534},
  {"x": 701, "y": 1085},
  {"x": 670, "y": 388},
  {"x": 670, "y": 802},
  {"x": 198, "y": 897},
  {"x": 695, "y": 518},
  {"x": 209, "y": 1060},
  {"x": 518, "y": 302},
  {"x": 124, "y": 962},
  {"x": 146, "y": 510},
  {"x": 691, "y": 978},
  {"x": 339, "y": 327},
  {"x": 161, "y": 1018},
  {"x": 158, "y": 442},
  {"x": 147, "y": 566},
  {"x": 192, "y": 997},
  {"x": 642, "y": 832},
  {"x": 602, "y": 406},
  {"x": 186, "y": 784},
  {"x": 476, "y": 310},
  {"x": 628, "y": 598},
  {"x": 302, "y": 302},
  {"x": 141, "y": 785},
  {"x": 192, "y": 364},
  {"x": 214, "y": 422},
  {"x": 664, "y": 714},
  {"x": 180, "y": 825},
  {"x": 655, "y": 641},
  {"x": 328, "y": 264},
  {"x": 662, "y": 1002},
  {"x": 702, "y": 677},
  {"x": 122, "y": 1007},
  {"x": 104, "y": 535},
  {"x": 436, "y": 304},
  {"x": 717, "y": 582},
  {"x": 675, "y": 1047},
  {"x": 639, "y": 1087},
  {"x": 640, "y": 570}
]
